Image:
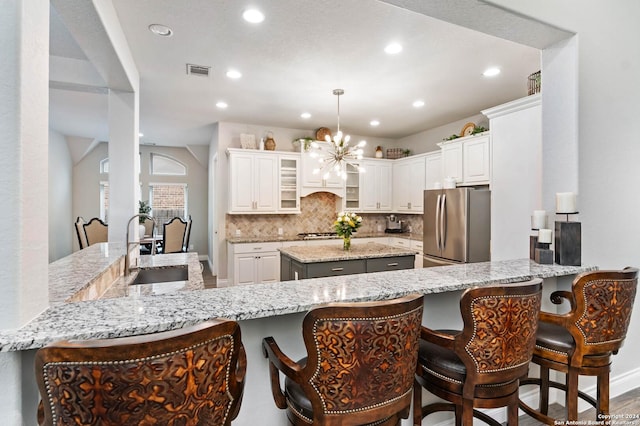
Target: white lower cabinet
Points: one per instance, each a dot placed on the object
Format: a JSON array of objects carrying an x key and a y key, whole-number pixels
[
  {"x": 253, "y": 263},
  {"x": 409, "y": 244}
]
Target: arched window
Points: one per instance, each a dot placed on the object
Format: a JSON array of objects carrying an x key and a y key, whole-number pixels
[{"x": 167, "y": 166}]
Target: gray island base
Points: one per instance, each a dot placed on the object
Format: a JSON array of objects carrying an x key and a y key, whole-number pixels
[{"x": 275, "y": 309}]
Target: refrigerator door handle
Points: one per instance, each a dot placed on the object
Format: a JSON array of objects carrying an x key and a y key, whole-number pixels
[
  {"x": 443, "y": 221},
  {"x": 437, "y": 224}
]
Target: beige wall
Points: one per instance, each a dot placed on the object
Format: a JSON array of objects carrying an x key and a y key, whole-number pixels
[
  {"x": 61, "y": 230},
  {"x": 86, "y": 187}
]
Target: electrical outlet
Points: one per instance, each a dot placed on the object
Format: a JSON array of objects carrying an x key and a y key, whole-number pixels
[
  {"x": 279, "y": 231},
  {"x": 238, "y": 232},
  {"x": 191, "y": 247}
]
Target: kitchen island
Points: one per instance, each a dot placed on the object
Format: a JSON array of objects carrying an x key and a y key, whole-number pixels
[
  {"x": 274, "y": 309},
  {"x": 300, "y": 262}
]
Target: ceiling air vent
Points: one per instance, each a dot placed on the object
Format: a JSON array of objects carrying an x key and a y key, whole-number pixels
[{"x": 198, "y": 70}]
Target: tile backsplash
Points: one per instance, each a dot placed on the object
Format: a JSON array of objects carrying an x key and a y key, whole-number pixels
[{"x": 318, "y": 212}]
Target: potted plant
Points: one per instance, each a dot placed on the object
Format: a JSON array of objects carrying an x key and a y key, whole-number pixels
[{"x": 143, "y": 208}]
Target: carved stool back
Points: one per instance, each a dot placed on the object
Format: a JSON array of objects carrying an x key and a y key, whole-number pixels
[
  {"x": 359, "y": 368},
  {"x": 582, "y": 341},
  {"x": 190, "y": 376},
  {"x": 479, "y": 366}
]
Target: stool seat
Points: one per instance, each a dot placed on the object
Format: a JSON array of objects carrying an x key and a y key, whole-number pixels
[{"x": 553, "y": 337}]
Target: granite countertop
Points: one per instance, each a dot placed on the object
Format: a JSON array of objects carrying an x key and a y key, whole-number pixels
[
  {"x": 280, "y": 238},
  {"x": 140, "y": 314},
  {"x": 82, "y": 269},
  {"x": 332, "y": 253}
]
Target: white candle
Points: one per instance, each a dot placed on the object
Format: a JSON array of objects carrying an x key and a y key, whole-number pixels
[
  {"x": 539, "y": 219},
  {"x": 544, "y": 236},
  {"x": 566, "y": 202}
]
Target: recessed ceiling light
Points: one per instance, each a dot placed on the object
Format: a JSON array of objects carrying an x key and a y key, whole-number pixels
[
  {"x": 418, "y": 104},
  {"x": 305, "y": 115},
  {"x": 374, "y": 123},
  {"x": 491, "y": 72},
  {"x": 222, "y": 105},
  {"x": 161, "y": 30},
  {"x": 234, "y": 74},
  {"x": 393, "y": 48},
  {"x": 253, "y": 15}
]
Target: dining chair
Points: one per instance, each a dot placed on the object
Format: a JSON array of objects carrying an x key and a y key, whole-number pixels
[
  {"x": 187, "y": 235},
  {"x": 96, "y": 231},
  {"x": 359, "y": 366},
  {"x": 480, "y": 365},
  {"x": 582, "y": 341},
  {"x": 82, "y": 236},
  {"x": 173, "y": 235},
  {"x": 190, "y": 376}
]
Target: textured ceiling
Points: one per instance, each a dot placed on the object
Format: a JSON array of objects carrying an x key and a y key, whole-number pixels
[{"x": 291, "y": 63}]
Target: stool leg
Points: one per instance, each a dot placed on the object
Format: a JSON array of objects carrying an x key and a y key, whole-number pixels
[
  {"x": 571, "y": 395},
  {"x": 603, "y": 394},
  {"x": 467, "y": 412},
  {"x": 544, "y": 390},
  {"x": 512, "y": 414},
  {"x": 417, "y": 403}
]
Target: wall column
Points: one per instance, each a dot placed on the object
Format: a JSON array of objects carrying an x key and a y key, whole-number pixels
[
  {"x": 124, "y": 164},
  {"x": 24, "y": 122}
]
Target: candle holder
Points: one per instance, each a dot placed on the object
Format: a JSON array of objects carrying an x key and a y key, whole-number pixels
[
  {"x": 543, "y": 254},
  {"x": 567, "y": 241},
  {"x": 533, "y": 244}
]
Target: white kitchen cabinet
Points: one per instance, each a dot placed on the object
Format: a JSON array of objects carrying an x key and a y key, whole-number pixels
[
  {"x": 289, "y": 183},
  {"x": 452, "y": 160},
  {"x": 475, "y": 159},
  {"x": 254, "y": 263},
  {"x": 409, "y": 244},
  {"x": 408, "y": 185},
  {"x": 433, "y": 170},
  {"x": 467, "y": 160},
  {"x": 352, "y": 200},
  {"x": 312, "y": 182},
  {"x": 376, "y": 186},
  {"x": 253, "y": 178}
]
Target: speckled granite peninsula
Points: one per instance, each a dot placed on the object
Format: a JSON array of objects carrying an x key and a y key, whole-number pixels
[
  {"x": 262, "y": 310},
  {"x": 132, "y": 315}
]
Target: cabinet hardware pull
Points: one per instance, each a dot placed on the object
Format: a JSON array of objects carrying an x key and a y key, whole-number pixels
[
  {"x": 257, "y": 248},
  {"x": 409, "y": 205},
  {"x": 392, "y": 264},
  {"x": 337, "y": 269}
]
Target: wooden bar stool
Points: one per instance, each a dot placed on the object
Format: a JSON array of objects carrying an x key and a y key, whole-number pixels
[
  {"x": 480, "y": 366},
  {"x": 359, "y": 368},
  {"x": 582, "y": 341},
  {"x": 190, "y": 376}
]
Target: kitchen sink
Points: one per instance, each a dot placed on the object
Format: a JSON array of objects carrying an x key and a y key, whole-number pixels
[{"x": 161, "y": 275}]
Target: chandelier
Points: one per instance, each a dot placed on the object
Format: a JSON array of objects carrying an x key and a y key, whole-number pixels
[{"x": 334, "y": 156}]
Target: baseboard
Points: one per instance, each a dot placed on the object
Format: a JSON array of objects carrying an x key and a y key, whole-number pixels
[
  {"x": 222, "y": 283},
  {"x": 618, "y": 385}
]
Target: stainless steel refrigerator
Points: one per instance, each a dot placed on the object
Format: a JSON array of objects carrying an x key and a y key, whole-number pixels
[{"x": 457, "y": 226}]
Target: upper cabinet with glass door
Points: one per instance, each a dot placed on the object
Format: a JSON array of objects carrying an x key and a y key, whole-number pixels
[{"x": 289, "y": 172}]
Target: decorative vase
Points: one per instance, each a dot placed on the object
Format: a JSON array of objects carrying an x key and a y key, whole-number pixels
[
  {"x": 141, "y": 230},
  {"x": 269, "y": 143},
  {"x": 346, "y": 243}
]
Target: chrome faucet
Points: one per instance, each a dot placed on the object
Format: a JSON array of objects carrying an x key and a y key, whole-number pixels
[{"x": 127, "y": 261}]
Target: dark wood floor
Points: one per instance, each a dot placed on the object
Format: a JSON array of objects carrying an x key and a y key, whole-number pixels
[
  {"x": 210, "y": 281},
  {"x": 625, "y": 404}
]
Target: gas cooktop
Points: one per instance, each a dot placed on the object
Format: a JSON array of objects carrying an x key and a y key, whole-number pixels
[{"x": 317, "y": 235}]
